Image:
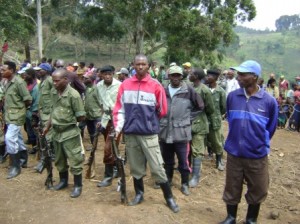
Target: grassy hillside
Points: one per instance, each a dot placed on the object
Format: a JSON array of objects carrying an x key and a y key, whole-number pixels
[{"x": 278, "y": 53}]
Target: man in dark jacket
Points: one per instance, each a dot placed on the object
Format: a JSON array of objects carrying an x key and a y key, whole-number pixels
[{"x": 184, "y": 103}]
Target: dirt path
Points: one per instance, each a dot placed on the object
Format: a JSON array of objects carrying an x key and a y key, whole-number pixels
[{"x": 25, "y": 200}]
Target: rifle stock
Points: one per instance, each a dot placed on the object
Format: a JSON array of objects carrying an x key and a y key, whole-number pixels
[
  {"x": 121, "y": 168},
  {"x": 46, "y": 157},
  {"x": 91, "y": 161}
]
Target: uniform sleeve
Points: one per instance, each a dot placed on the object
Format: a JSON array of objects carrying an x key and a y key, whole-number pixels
[
  {"x": 77, "y": 106},
  {"x": 198, "y": 103},
  {"x": 209, "y": 103},
  {"x": 223, "y": 102},
  {"x": 24, "y": 93}
]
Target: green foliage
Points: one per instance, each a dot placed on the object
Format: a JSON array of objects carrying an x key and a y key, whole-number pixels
[{"x": 286, "y": 22}]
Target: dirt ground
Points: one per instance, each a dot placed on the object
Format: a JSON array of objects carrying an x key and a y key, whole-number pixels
[{"x": 25, "y": 200}]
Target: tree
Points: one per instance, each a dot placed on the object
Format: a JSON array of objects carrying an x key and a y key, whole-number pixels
[
  {"x": 186, "y": 28},
  {"x": 286, "y": 22}
]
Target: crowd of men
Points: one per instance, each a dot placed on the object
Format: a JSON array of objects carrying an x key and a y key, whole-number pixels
[{"x": 159, "y": 113}]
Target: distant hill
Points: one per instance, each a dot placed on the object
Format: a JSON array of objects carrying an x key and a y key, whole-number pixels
[{"x": 278, "y": 53}]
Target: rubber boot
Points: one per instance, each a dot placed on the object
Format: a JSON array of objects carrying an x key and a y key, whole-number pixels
[
  {"x": 219, "y": 163},
  {"x": 139, "y": 192},
  {"x": 23, "y": 158},
  {"x": 63, "y": 181},
  {"x": 210, "y": 153},
  {"x": 15, "y": 168},
  {"x": 77, "y": 186},
  {"x": 185, "y": 184},
  {"x": 108, "y": 176},
  {"x": 3, "y": 154},
  {"x": 196, "y": 172},
  {"x": 252, "y": 214},
  {"x": 169, "y": 172},
  {"x": 231, "y": 214},
  {"x": 166, "y": 189}
]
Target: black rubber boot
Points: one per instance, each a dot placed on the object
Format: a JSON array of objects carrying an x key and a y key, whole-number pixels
[
  {"x": 23, "y": 158},
  {"x": 166, "y": 189},
  {"x": 63, "y": 181},
  {"x": 108, "y": 176},
  {"x": 231, "y": 214},
  {"x": 3, "y": 154},
  {"x": 196, "y": 172},
  {"x": 139, "y": 192},
  {"x": 252, "y": 214},
  {"x": 15, "y": 168},
  {"x": 77, "y": 186},
  {"x": 219, "y": 163},
  {"x": 185, "y": 184},
  {"x": 169, "y": 172}
]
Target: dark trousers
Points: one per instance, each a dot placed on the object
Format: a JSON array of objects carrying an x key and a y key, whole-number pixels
[
  {"x": 256, "y": 174},
  {"x": 181, "y": 149},
  {"x": 91, "y": 127},
  {"x": 30, "y": 132}
]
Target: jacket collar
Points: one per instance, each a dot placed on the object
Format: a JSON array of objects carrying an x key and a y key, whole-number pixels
[
  {"x": 258, "y": 94},
  {"x": 145, "y": 79}
]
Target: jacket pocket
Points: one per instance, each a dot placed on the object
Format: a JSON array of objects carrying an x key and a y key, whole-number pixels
[{"x": 15, "y": 114}]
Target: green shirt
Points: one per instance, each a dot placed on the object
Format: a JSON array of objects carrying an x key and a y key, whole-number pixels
[
  {"x": 16, "y": 94},
  {"x": 219, "y": 98},
  {"x": 45, "y": 102},
  {"x": 200, "y": 124},
  {"x": 65, "y": 111},
  {"x": 92, "y": 105}
]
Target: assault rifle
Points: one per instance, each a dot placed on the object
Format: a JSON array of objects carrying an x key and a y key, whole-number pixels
[
  {"x": 120, "y": 162},
  {"x": 46, "y": 156},
  {"x": 91, "y": 161}
]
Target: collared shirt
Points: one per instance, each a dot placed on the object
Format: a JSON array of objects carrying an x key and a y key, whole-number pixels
[
  {"x": 108, "y": 97},
  {"x": 45, "y": 101},
  {"x": 16, "y": 94},
  {"x": 66, "y": 108},
  {"x": 231, "y": 85},
  {"x": 92, "y": 105}
]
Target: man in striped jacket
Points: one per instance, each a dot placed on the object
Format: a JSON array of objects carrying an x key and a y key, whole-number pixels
[{"x": 141, "y": 101}]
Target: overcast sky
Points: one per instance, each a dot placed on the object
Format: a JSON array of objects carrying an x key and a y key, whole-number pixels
[{"x": 268, "y": 11}]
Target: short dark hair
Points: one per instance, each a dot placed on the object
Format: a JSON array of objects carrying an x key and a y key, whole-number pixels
[
  {"x": 82, "y": 63},
  {"x": 199, "y": 73},
  {"x": 31, "y": 72},
  {"x": 11, "y": 65}
]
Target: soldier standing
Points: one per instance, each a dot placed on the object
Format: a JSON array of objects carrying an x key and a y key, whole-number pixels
[
  {"x": 67, "y": 110},
  {"x": 17, "y": 100}
]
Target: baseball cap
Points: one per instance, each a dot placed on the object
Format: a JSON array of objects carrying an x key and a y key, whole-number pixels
[
  {"x": 249, "y": 66},
  {"x": 44, "y": 66},
  {"x": 175, "y": 70},
  {"x": 23, "y": 70},
  {"x": 124, "y": 71},
  {"x": 187, "y": 64},
  {"x": 75, "y": 64},
  {"x": 172, "y": 64}
]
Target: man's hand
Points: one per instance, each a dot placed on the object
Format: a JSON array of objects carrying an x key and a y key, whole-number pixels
[{"x": 100, "y": 128}]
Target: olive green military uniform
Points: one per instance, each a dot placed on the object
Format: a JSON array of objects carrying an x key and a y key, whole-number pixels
[
  {"x": 200, "y": 125},
  {"x": 92, "y": 104},
  {"x": 1, "y": 115},
  {"x": 66, "y": 134},
  {"x": 215, "y": 135}
]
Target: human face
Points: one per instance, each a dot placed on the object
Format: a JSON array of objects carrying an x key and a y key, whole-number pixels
[
  {"x": 175, "y": 79},
  {"x": 87, "y": 81},
  {"x": 246, "y": 79},
  {"x": 59, "y": 82},
  {"x": 211, "y": 78},
  {"x": 141, "y": 66},
  {"x": 41, "y": 73},
  {"x": 6, "y": 72},
  {"x": 192, "y": 77},
  {"x": 107, "y": 77}
]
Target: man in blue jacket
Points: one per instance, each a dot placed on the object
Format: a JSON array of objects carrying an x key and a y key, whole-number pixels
[{"x": 252, "y": 117}]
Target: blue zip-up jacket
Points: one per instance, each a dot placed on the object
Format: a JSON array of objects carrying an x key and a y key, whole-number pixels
[{"x": 252, "y": 123}]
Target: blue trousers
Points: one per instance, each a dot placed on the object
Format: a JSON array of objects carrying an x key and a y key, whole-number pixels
[{"x": 14, "y": 139}]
